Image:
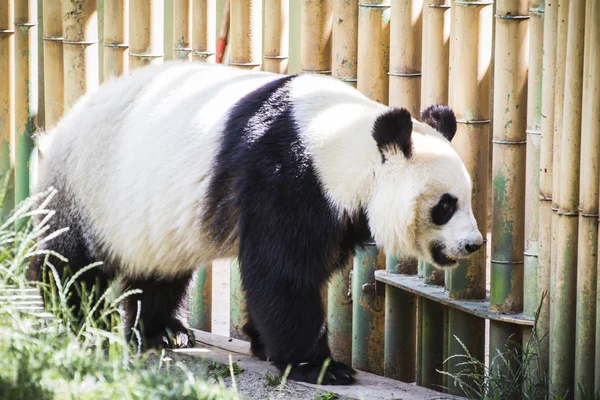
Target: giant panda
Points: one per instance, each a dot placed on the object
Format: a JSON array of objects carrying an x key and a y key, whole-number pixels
[{"x": 174, "y": 165}]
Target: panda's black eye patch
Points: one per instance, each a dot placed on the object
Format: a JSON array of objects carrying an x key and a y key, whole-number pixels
[{"x": 443, "y": 211}]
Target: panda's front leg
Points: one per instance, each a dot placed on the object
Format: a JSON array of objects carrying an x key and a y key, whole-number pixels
[{"x": 287, "y": 313}]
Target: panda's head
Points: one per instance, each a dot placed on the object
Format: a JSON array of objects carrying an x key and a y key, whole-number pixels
[{"x": 420, "y": 202}]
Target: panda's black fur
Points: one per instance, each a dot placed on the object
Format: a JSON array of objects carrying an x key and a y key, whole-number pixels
[{"x": 264, "y": 194}]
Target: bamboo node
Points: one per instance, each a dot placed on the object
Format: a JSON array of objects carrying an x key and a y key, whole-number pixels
[
  {"x": 509, "y": 142},
  {"x": 405, "y": 74},
  {"x": 567, "y": 213},
  {"x": 203, "y": 54},
  {"x": 350, "y": 80},
  {"x": 248, "y": 64},
  {"x": 117, "y": 45},
  {"x": 536, "y": 10},
  {"x": 146, "y": 55},
  {"x": 473, "y": 121},
  {"x": 276, "y": 57},
  {"x": 445, "y": 6},
  {"x": 537, "y": 132},
  {"x": 52, "y": 38},
  {"x": 514, "y": 17},
  {"x": 316, "y": 71},
  {"x": 528, "y": 254},
  {"x": 545, "y": 198},
  {"x": 6, "y": 31},
  {"x": 588, "y": 215},
  {"x": 81, "y": 43},
  {"x": 473, "y": 3},
  {"x": 375, "y": 5},
  {"x": 27, "y": 24},
  {"x": 506, "y": 262}
]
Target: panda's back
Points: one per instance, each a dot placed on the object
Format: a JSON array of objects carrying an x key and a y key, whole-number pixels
[{"x": 136, "y": 158}]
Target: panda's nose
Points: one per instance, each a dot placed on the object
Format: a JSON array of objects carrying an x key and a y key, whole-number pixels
[{"x": 472, "y": 247}]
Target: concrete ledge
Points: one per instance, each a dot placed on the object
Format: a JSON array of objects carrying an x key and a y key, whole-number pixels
[{"x": 369, "y": 386}]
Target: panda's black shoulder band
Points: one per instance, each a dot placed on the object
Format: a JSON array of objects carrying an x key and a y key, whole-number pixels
[
  {"x": 441, "y": 118},
  {"x": 392, "y": 131}
]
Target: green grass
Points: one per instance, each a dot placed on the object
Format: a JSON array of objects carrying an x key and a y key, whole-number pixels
[
  {"x": 220, "y": 371},
  {"x": 44, "y": 355},
  {"x": 272, "y": 380},
  {"x": 327, "y": 396}
]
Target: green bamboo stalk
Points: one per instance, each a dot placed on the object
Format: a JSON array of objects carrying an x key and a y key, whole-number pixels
[
  {"x": 546, "y": 180},
  {"x": 339, "y": 315},
  {"x": 26, "y": 92},
  {"x": 400, "y": 325},
  {"x": 200, "y": 316},
  {"x": 587, "y": 255},
  {"x": 470, "y": 57},
  {"x": 562, "y": 328},
  {"x": 7, "y": 100},
  {"x": 367, "y": 312},
  {"x": 238, "y": 314}
]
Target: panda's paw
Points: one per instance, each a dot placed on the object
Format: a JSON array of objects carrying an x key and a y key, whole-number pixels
[
  {"x": 176, "y": 339},
  {"x": 337, "y": 373}
]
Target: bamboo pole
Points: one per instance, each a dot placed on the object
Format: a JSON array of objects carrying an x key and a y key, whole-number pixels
[
  {"x": 339, "y": 315},
  {"x": 532, "y": 179},
  {"x": 434, "y": 86},
  {"x": 53, "y": 62},
  {"x": 436, "y": 52},
  {"x": 315, "y": 36},
  {"x": 116, "y": 36},
  {"x": 182, "y": 30},
  {"x": 238, "y": 314},
  {"x": 470, "y": 57},
  {"x": 373, "y": 45},
  {"x": 368, "y": 312},
  {"x": 7, "y": 99},
  {"x": 561, "y": 51},
  {"x": 344, "y": 40},
  {"x": 406, "y": 31},
  {"x": 277, "y": 22},
  {"x": 532, "y": 176},
  {"x": 546, "y": 179},
  {"x": 246, "y": 31},
  {"x": 146, "y": 30},
  {"x": 204, "y": 19},
  {"x": 200, "y": 305},
  {"x": 562, "y": 328},
  {"x": 344, "y": 43},
  {"x": 587, "y": 253},
  {"x": 80, "y": 49},
  {"x": 26, "y": 92}
]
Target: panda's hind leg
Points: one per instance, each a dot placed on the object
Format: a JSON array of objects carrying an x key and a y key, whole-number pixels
[{"x": 157, "y": 305}]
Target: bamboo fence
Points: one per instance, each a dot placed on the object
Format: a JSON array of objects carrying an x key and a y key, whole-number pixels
[{"x": 523, "y": 78}]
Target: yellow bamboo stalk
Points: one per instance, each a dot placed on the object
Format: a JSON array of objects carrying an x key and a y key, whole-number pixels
[
  {"x": 80, "y": 48},
  {"x": 406, "y": 31},
  {"x": 436, "y": 48},
  {"x": 277, "y": 22},
  {"x": 53, "y": 62},
  {"x": 508, "y": 166},
  {"x": 7, "y": 99},
  {"x": 315, "y": 36},
  {"x": 246, "y": 34},
  {"x": 559, "y": 87},
  {"x": 116, "y": 36},
  {"x": 562, "y": 328},
  {"x": 373, "y": 46},
  {"x": 546, "y": 178},
  {"x": 587, "y": 253},
  {"x": 344, "y": 40},
  {"x": 182, "y": 30},
  {"x": 146, "y": 30},
  {"x": 204, "y": 19},
  {"x": 26, "y": 91}
]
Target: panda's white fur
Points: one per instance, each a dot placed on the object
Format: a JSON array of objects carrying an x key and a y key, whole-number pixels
[{"x": 140, "y": 172}]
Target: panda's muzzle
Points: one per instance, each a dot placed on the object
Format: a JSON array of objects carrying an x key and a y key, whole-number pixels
[{"x": 439, "y": 255}]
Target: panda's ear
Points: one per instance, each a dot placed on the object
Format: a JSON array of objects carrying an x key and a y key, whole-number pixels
[
  {"x": 441, "y": 118},
  {"x": 392, "y": 131}
]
